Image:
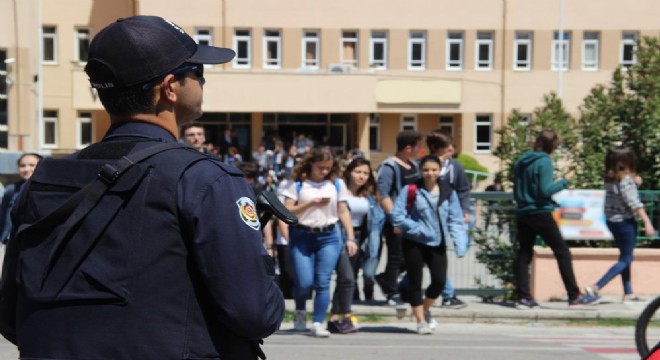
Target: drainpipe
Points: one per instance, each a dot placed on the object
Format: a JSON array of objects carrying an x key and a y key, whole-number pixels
[
  {"x": 18, "y": 79},
  {"x": 40, "y": 78}
]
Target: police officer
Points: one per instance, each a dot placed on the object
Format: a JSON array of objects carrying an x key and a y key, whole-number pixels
[{"x": 168, "y": 264}]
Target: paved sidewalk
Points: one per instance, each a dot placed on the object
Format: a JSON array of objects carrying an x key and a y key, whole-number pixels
[{"x": 478, "y": 311}]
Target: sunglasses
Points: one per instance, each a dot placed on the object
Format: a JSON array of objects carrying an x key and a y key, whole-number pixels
[{"x": 198, "y": 70}]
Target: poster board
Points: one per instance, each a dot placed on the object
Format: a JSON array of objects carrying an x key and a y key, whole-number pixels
[{"x": 580, "y": 215}]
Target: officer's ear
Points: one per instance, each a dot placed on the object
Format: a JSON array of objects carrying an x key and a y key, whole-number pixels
[{"x": 168, "y": 87}]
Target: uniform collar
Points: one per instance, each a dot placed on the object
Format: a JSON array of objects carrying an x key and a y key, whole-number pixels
[{"x": 138, "y": 129}]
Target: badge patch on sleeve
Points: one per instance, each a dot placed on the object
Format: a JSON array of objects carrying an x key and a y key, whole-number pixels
[{"x": 248, "y": 212}]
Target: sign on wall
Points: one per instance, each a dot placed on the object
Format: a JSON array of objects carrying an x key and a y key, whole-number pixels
[{"x": 580, "y": 215}]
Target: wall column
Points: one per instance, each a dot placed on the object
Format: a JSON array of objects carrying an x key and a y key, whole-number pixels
[
  {"x": 257, "y": 125},
  {"x": 362, "y": 134}
]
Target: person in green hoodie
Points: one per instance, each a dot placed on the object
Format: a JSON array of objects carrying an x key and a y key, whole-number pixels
[{"x": 533, "y": 188}]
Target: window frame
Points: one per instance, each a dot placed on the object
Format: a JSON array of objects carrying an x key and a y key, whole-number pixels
[
  {"x": 78, "y": 37},
  {"x": 556, "y": 43},
  {"x": 51, "y": 37},
  {"x": 417, "y": 37},
  {"x": 307, "y": 38},
  {"x": 84, "y": 118},
  {"x": 454, "y": 65},
  {"x": 446, "y": 122},
  {"x": 404, "y": 121},
  {"x": 239, "y": 38},
  {"x": 378, "y": 64},
  {"x": 523, "y": 38},
  {"x": 204, "y": 39},
  {"x": 625, "y": 42},
  {"x": 276, "y": 62},
  {"x": 347, "y": 40},
  {"x": 374, "y": 123},
  {"x": 50, "y": 117},
  {"x": 479, "y": 123},
  {"x": 489, "y": 42},
  {"x": 587, "y": 41}
]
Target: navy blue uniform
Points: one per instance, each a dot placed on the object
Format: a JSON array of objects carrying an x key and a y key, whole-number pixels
[{"x": 184, "y": 276}]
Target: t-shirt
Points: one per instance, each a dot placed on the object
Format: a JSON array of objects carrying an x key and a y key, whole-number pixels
[
  {"x": 359, "y": 207},
  {"x": 408, "y": 176},
  {"x": 317, "y": 216}
]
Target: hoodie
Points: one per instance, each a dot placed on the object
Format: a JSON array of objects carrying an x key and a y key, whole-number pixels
[{"x": 533, "y": 184}]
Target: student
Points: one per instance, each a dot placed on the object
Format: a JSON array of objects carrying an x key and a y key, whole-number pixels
[
  {"x": 366, "y": 215},
  {"x": 533, "y": 188},
  {"x": 428, "y": 214},
  {"x": 394, "y": 173},
  {"x": 318, "y": 197},
  {"x": 622, "y": 205},
  {"x": 26, "y": 165},
  {"x": 453, "y": 175}
]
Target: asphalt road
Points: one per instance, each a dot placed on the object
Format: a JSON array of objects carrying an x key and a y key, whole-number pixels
[{"x": 398, "y": 341}]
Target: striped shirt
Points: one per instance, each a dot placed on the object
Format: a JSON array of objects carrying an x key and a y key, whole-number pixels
[{"x": 621, "y": 199}]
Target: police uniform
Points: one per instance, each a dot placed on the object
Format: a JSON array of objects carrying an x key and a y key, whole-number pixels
[{"x": 180, "y": 272}]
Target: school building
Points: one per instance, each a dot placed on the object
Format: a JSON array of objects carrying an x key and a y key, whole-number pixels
[{"x": 358, "y": 71}]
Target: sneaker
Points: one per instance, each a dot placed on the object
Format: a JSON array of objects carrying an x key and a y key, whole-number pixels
[
  {"x": 526, "y": 304},
  {"x": 300, "y": 320},
  {"x": 318, "y": 331},
  {"x": 334, "y": 327},
  {"x": 430, "y": 320},
  {"x": 347, "y": 326},
  {"x": 632, "y": 299},
  {"x": 584, "y": 299},
  {"x": 423, "y": 328},
  {"x": 396, "y": 301},
  {"x": 591, "y": 290},
  {"x": 453, "y": 303}
]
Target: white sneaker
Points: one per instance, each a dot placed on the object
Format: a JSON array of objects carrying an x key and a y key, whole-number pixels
[
  {"x": 300, "y": 320},
  {"x": 318, "y": 330},
  {"x": 430, "y": 320},
  {"x": 423, "y": 328}
]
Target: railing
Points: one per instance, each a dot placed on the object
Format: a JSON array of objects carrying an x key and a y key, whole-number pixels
[{"x": 469, "y": 276}]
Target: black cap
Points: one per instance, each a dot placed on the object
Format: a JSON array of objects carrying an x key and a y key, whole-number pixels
[{"x": 137, "y": 49}]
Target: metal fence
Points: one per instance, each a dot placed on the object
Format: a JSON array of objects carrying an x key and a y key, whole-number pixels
[{"x": 494, "y": 214}]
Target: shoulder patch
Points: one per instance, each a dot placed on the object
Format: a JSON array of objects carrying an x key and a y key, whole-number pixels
[{"x": 248, "y": 212}]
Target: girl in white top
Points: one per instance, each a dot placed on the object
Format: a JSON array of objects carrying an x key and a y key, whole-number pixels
[{"x": 318, "y": 197}]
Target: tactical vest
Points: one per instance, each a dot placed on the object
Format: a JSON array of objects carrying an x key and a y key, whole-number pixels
[{"x": 123, "y": 274}]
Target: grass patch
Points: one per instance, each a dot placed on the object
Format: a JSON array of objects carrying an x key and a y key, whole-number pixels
[{"x": 609, "y": 322}]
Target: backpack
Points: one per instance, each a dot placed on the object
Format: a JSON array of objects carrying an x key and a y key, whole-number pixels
[{"x": 412, "y": 195}]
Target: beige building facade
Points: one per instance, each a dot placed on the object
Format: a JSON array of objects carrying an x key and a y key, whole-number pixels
[{"x": 357, "y": 71}]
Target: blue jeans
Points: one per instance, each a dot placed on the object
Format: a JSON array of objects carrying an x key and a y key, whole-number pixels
[
  {"x": 448, "y": 291},
  {"x": 314, "y": 257},
  {"x": 625, "y": 238}
]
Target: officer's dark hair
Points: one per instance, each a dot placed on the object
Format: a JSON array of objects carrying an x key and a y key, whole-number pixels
[
  {"x": 547, "y": 141},
  {"x": 124, "y": 100},
  {"x": 438, "y": 139},
  {"x": 23, "y": 156},
  {"x": 408, "y": 138}
]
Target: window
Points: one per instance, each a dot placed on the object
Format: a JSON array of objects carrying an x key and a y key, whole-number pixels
[
  {"x": 408, "y": 122},
  {"x": 50, "y": 128},
  {"x": 522, "y": 51},
  {"x": 447, "y": 124},
  {"x": 311, "y": 48},
  {"x": 204, "y": 36},
  {"x": 484, "y": 51},
  {"x": 4, "y": 116},
  {"x": 243, "y": 48},
  {"x": 455, "y": 51},
  {"x": 590, "y": 50},
  {"x": 483, "y": 129},
  {"x": 49, "y": 40},
  {"x": 378, "y": 45},
  {"x": 349, "y": 48},
  {"x": 272, "y": 49},
  {"x": 374, "y": 132},
  {"x": 628, "y": 48},
  {"x": 561, "y": 47},
  {"x": 84, "y": 129},
  {"x": 417, "y": 50},
  {"x": 81, "y": 44}
]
